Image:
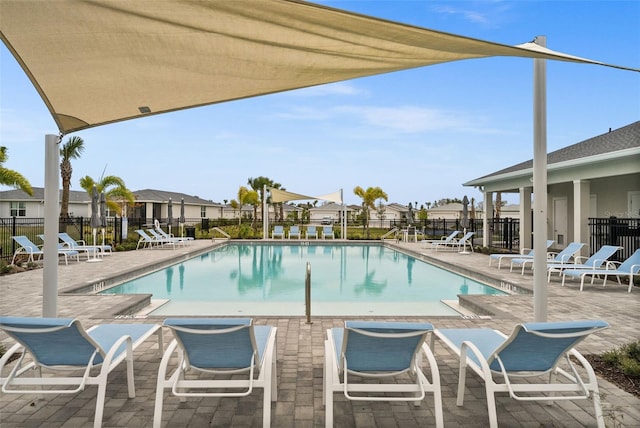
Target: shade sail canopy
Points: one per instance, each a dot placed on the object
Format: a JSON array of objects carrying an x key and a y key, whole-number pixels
[
  {"x": 279, "y": 195},
  {"x": 97, "y": 62}
]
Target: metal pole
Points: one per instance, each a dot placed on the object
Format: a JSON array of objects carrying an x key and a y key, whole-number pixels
[
  {"x": 51, "y": 216},
  {"x": 540, "y": 185},
  {"x": 307, "y": 293}
]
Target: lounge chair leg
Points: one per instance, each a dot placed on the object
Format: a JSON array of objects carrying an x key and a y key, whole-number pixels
[{"x": 328, "y": 391}]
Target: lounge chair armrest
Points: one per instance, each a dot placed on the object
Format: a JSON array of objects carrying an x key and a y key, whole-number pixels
[
  {"x": 578, "y": 259},
  {"x": 613, "y": 265}
]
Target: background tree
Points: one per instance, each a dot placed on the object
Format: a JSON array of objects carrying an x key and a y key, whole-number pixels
[
  {"x": 245, "y": 197},
  {"x": 72, "y": 149},
  {"x": 115, "y": 191},
  {"x": 9, "y": 177},
  {"x": 369, "y": 198},
  {"x": 257, "y": 184},
  {"x": 499, "y": 204}
]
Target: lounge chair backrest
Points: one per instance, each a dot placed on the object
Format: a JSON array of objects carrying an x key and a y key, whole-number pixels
[
  {"x": 633, "y": 260},
  {"x": 374, "y": 347},
  {"x": 54, "y": 341},
  {"x": 467, "y": 236},
  {"x": 216, "y": 343},
  {"x": 452, "y": 236},
  {"x": 539, "y": 346},
  {"x": 26, "y": 243},
  {"x": 600, "y": 257},
  {"x": 144, "y": 234},
  {"x": 67, "y": 239},
  {"x": 568, "y": 252}
]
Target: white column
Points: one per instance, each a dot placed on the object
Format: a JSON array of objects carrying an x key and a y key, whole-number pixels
[
  {"x": 526, "y": 239},
  {"x": 487, "y": 237},
  {"x": 51, "y": 216},
  {"x": 581, "y": 198},
  {"x": 540, "y": 185}
]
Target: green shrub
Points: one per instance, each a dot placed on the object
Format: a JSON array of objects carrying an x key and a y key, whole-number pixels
[{"x": 626, "y": 358}]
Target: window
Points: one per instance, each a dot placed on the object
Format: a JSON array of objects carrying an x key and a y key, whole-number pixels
[
  {"x": 203, "y": 211},
  {"x": 18, "y": 209}
]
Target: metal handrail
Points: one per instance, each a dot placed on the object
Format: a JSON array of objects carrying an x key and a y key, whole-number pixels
[
  {"x": 222, "y": 232},
  {"x": 394, "y": 230},
  {"x": 307, "y": 293}
]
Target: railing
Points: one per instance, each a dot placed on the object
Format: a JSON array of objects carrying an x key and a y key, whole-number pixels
[
  {"x": 221, "y": 232},
  {"x": 307, "y": 293},
  {"x": 389, "y": 233}
]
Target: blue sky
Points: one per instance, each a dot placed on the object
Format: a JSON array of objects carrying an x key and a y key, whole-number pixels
[{"x": 417, "y": 134}]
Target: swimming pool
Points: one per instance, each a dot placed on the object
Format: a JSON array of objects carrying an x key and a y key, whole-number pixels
[{"x": 269, "y": 279}]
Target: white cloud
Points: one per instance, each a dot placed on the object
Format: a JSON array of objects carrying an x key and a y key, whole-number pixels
[
  {"x": 485, "y": 13},
  {"x": 407, "y": 119}
]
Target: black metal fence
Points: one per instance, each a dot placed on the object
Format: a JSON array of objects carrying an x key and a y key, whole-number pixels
[{"x": 623, "y": 232}]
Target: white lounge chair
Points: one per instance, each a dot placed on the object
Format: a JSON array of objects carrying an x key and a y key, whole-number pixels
[
  {"x": 87, "y": 251},
  {"x": 565, "y": 256},
  {"x": 628, "y": 268},
  {"x": 379, "y": 350},
  {"x": 241, "y": 354},
  {"x": 525, "y": 253},
  {"x": 80, "y": 245},
  {"x": 161, "y": 239},
  {"x": 311, "y": 232},
  {"x": 597, "y": 261},
  {"x": 541, "y": 351},
  {"x": 31, "y": 250},
  {"x": 149, "y": 241},
  {"x": 181, "y": 239},
  {"x": 327, "y": 232},
  {"x": 63, "y": 346},
  {"x": 278, "y": 232},
  {"x": 294, "y": 232},
  {"x": 445, "y": 239},
  {"x": 459, "y": 245}
]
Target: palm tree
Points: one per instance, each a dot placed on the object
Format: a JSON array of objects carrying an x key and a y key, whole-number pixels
[
  {"x": 245, "y": 197},
  {"x": 257, "y": 184},
  {"x": 116, "y": 192},
  {"x": 9, "y": 177},
  {"x": 369, "y": 198},
  {"x": 72, "y": 149}
]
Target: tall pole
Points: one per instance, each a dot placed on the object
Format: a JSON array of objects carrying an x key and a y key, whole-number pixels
[
  {"x": 540, "y": 185},
  {"x": 51, "y": 214},
  {"x": 265, "y": 213}
]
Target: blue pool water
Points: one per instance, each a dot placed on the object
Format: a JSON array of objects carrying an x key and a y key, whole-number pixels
[{"x": 266, "y": 279}]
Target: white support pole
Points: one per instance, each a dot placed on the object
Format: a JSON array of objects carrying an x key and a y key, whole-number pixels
[
  {"x": 265, "y": 214},
  {"x": 540, "y": 185},
  {"x": 343, "y": 223},
  {"x": 51, "y": 215}
]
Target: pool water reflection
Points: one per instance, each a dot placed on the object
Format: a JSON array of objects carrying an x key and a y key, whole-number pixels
[{"x": 269, "y": 279}]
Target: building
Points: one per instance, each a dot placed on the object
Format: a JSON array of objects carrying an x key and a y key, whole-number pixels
[{"x": 595, "y": 178}]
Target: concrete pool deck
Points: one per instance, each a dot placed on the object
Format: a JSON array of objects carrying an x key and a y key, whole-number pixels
[{"x": 300, "y": 354}]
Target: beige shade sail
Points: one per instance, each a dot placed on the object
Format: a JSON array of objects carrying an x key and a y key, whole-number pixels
[
  {"x": 97, "y": 62},
  {"x": 279, "y": 195}
]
